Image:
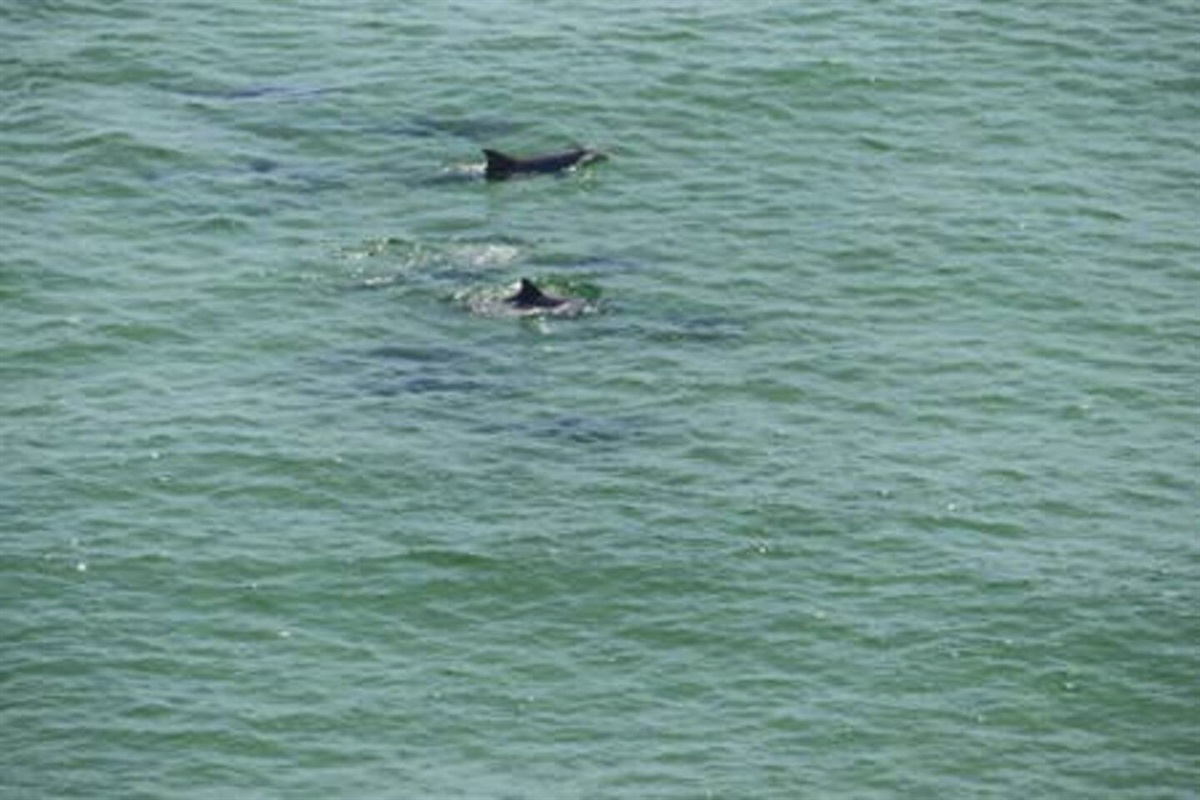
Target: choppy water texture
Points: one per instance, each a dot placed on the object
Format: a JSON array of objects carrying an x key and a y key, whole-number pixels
[{"x": 875, "y": 473}]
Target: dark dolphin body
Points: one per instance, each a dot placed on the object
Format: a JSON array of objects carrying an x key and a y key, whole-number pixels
[
  {"x": 529, "y": 296},
  {"x": 501, "y": 166},
  {"x": 528, "y": 300}
]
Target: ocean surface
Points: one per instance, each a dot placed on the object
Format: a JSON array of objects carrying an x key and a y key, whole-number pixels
[{"x": 871, "y": 471}]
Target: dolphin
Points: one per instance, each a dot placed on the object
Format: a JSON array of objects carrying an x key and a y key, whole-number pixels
[
  {"x": 529, "y": 296},
  {"x": 527, "y": 301},
  {"x": 501, "y": 166}
]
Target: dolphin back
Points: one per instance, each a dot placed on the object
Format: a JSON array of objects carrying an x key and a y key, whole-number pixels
[{"x": 501, "y": 165}]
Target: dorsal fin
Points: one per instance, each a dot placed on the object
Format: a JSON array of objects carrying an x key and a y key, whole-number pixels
[
  {"x": 530, "y": 296},
  {"x": 499, "y": 164}
]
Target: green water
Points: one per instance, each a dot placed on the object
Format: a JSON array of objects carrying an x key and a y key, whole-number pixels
[{"x": 875, "y": 473}]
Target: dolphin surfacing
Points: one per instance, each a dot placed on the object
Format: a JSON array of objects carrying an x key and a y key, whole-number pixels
[
  {"x": 529, "y": 296},
  {"x": 526, "y": 299},
  {"x": 501, "y": 166}
]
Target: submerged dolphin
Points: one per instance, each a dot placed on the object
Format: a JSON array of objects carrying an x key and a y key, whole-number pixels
[
  {"x": 501, "y": 166},
  {"x": 527, "y": 301},
  {"x": 529, "y": 296}
]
